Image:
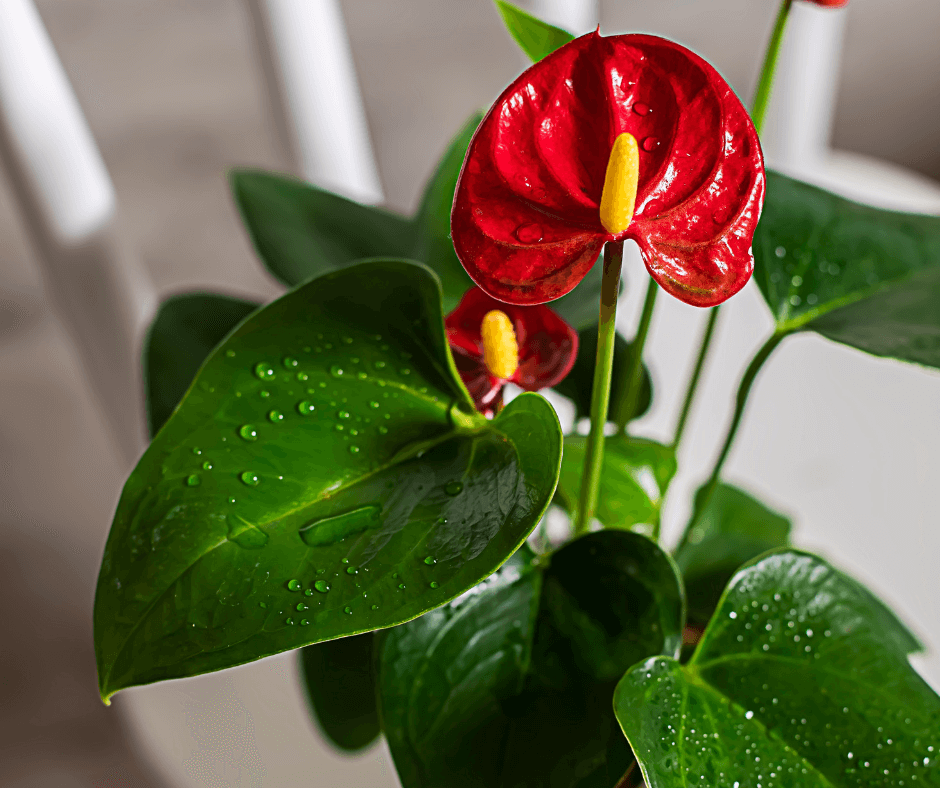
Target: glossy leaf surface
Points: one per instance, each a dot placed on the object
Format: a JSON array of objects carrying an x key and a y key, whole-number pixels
[
  {"x": 302, "y": 231},
  {"x": 857, "y": 275},
  {"x": 512, "y": 683},
  {"x": 580, "y": 381},
  {"x": 526, "y": 220},
  {"x": 731, "y": 530},
  {"x": 340, "y": 683},
  {"x": 801, "y": 680},
  {"x": 634, "y": 478},
  {"x": 535, "y": 37},
  {"x": 321, "y": 455},
  {"x": 186, "y": 329}
]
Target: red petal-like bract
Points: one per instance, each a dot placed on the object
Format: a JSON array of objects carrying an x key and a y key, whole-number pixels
[
  {"x": 526, "y": 221},
  {"x": 548, "y": 347},
  {"x": 830, "y": 3}
]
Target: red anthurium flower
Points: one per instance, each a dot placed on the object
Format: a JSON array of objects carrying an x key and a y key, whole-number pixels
[
  {"x": 495, "y": 343},
  {"x": 610, "y": 138},
  {"x": 830, "y": 3}
]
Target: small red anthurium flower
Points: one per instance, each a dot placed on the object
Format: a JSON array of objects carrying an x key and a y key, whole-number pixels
[
  {"x": 495, "y": 343},
  {"x": 606, "y": 139},
  {"x": 830, "y": 3}
]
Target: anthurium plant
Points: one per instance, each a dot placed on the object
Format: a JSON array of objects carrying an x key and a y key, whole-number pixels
[{"x": 342, "y": 472}]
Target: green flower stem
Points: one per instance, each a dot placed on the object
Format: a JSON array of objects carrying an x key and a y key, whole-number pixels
[
  {"x": 634, "y": 375},
  {"x": 744, "y": 389},
  {"x": 600, "y": 392},
  {"x": 696, "y": 374},
  {"x": 766, "y": 81},
  {"x": 758, "y": 111}
]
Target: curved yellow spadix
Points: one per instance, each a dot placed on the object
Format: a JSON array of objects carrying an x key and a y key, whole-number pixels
[
  {"x": 500, "y": 348},
  {"x": 618, "y": 200}
]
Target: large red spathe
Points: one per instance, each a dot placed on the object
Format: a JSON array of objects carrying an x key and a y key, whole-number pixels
[{"x": 525, "y": 220}]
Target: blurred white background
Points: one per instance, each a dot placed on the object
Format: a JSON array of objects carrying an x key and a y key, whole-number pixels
[{"x": 847, "y": 444}]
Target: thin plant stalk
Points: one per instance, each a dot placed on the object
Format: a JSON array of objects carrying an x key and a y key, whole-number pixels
[
  {"x": 758, "y": 113},
  {"x": 634, "y": 376},
  {"x": 600, "y": 391}
]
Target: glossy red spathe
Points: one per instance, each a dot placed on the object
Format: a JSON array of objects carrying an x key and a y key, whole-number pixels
[
  {"x": 547, "y": 345},
  {"x": 830, "y": 3},
  {"x": 525, "y": 219}
]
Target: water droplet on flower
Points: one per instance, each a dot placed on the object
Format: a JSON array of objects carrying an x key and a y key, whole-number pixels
[
  {"x": 650, "y": 143},
  {"x": 293, "y": 585},
  {"x": 322, "y": 586},
  {"x": 305, "y": 408},
  {"x": 275, "y": 416},
  {"x": 453, "y": 488},
  {"x": 529, "y": 233},
  {"x": 641, "y": 109},
  {"x": 264, "y": 371},
  {"x": 193, "y": 480},
  {"x": 248, "y": 432},
  {"x": 250, "y": 478}
]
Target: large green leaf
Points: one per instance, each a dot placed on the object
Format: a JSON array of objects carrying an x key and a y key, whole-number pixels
[
  {"x": 183, "y": 333},
  {"x": 511, "y": 685},
  {"x": 858, "y": 275},
  {"x": 801, "y": 680},
  {"x": 535, "y": 37},
  {"x": 634, "y": 478},
  {"x": 340, "y": 683},
  {"x": 324, "y": 476},
  {"x": 578, "y": 384},
  {"x": 731, "y": 530},
  {"x": 302, "y": 231}
]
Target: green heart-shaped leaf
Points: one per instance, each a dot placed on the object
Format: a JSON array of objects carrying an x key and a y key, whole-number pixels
[
  {"x": 512, "y": 683},
  {"x": 731, "y": 530},
  {"x": 801, "y": 679},
  {"x": 186, "y": 329},
  {"x": 578, "y": 384},
  {"x": 535, "y": 37},
  {"x": 340, "y": 682},
  {"x": 857, "y": 275},
  {"x": 634, "y": 478},
  {"x": 324, "y": 476},
  {"x": 301, "y": 231}
]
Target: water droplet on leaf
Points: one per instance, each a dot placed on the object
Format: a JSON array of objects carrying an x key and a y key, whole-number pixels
[
  {"x": 250, "y": 478},
  {"x": 249, "y": 432}
]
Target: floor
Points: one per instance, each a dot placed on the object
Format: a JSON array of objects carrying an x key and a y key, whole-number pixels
[{"x": 174, "y": 98}]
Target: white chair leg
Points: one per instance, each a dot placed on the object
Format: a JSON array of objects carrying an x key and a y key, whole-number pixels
[
  {"x": 67, "y": 203},
  {"x": 576, "y": 16},
  {"x": 311, "y": 81}
]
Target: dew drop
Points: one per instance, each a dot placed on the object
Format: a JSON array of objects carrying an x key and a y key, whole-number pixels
[
  {"x": 290, "y": 622},
  {"x": 434, "y": 584},
  {"x": 383, "y": 430},
  {"x": 301, "y": 606},
  {"x": 453, "y": 488},
  {"x": 308, "y": 592},
  {"x": 302, "y": 376},
  {"x": 347, "y": 610},
  {"x": 401, "y": 586},
  {"x": 265, "y": 394},
  {"x": 289, "y": 362},
  {"x": 250, "y": 478},
  {"x": 263, "y": 605},
  {"x": 343, "y": 414},
  {"x": 193, "y": 480},
  {"x": 264, "y": 371},
  {"x": 375, "y": 607},
  {"x": 373, "y": 404},
  {"x": 529, "y": 233},
  {"x": 351, "y": 570},
  {"x": 230, "y": 353},
  {"x": 780, "y": 252},
  {"x": 337, "y": 371},
  {"x": 305, "y": 408},
  {"x": 207, "y": 465},
  {"x": 322, "y": 586},
  {"x": 641, "y": 109},
  {"x": 430, "y": 560},
  {"x": 197, "y": 450},
  {"x": 353, "y": 449},
  {"x": 650, "y": 143},
  {"x": 293, "y": 585},
  {"x": 404, "y": 371},
  {"x": 275, "y": 416},
  {"x": 248, "y": 432},
  {"x": 304, "y": 622}
]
